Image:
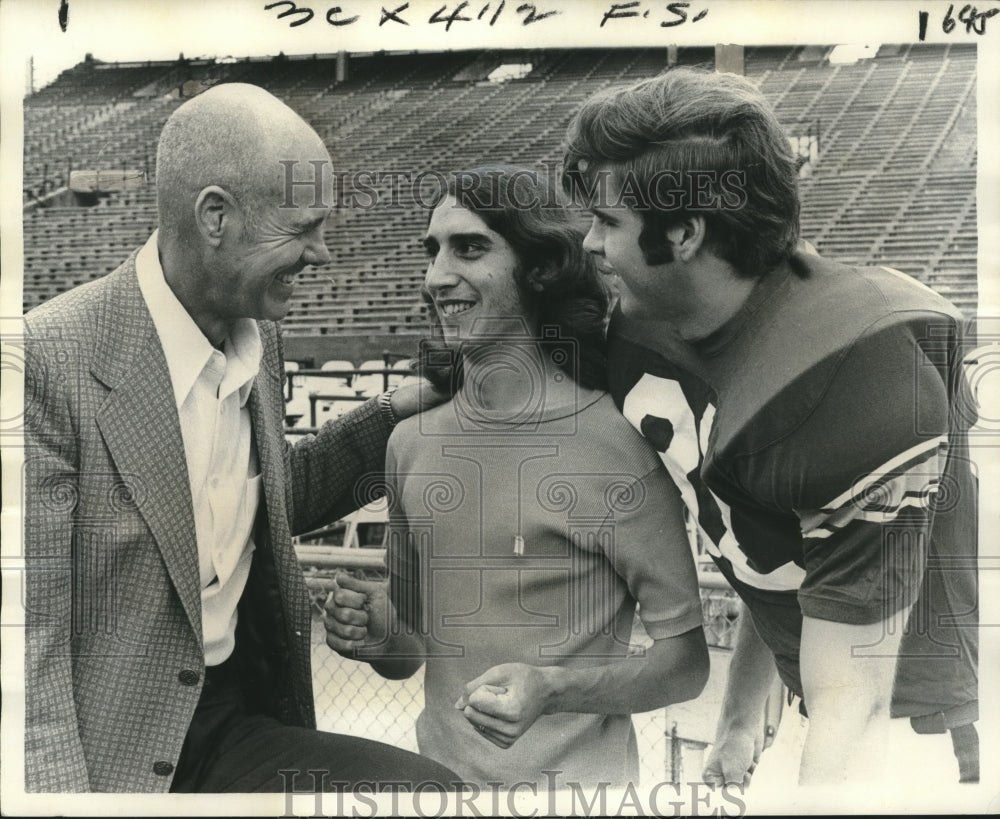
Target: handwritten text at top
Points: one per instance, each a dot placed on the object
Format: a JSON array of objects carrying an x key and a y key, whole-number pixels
[{"x": 666, "y": 15}]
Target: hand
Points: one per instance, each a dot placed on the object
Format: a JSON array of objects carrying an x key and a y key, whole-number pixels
[
  {"x": 355, "y": 614},
  {"x": 411, "y": 398},
  {"x": 733, "y": 759},
  {"x": 505, "y": 701}
]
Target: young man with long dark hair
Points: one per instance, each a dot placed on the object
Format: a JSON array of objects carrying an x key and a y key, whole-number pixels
[{"x": 527, "y": 518}]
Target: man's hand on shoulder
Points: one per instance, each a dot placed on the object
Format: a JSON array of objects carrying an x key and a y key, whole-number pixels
[{"x": 416, "y": 396}]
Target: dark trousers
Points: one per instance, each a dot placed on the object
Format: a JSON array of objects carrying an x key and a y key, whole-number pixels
[{"x": 228, "y": 750}]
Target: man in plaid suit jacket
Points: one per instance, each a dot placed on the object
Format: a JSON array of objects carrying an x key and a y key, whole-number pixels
[{"x": 119, "y": 697}]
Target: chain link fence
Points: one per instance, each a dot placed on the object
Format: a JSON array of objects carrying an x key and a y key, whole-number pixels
[{"x": 351, "y": 697}]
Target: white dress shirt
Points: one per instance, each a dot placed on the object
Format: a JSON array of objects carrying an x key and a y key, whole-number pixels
[{"x": 211, "y": 388}]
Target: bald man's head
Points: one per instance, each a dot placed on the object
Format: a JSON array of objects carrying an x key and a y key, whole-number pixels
[
  {"x": 233, "y": 136},
  {"x": 234, "y": 233}
]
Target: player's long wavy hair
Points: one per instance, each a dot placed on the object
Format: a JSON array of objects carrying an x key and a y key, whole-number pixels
[
  {"x": 691, "y": 142},
  {"x": 558, "y": 282}
]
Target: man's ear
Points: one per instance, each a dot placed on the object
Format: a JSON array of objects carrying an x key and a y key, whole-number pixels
[
  {"x": 687, "y": 237},
  {"x": 541, "y": 275},
  {"x": 214, "y": 210}
]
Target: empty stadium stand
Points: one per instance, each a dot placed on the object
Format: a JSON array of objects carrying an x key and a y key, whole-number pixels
[{"x": 892, "y": 180}]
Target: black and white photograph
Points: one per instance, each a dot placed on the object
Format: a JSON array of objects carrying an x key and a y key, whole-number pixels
[{"x": 492, "y": 408}]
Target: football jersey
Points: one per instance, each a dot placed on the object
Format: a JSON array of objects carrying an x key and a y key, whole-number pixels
[{"x": 819, "y": 438}]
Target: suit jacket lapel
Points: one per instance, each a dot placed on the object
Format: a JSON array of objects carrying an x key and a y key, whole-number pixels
[
  {"x": 141, "y": 429},
  {"x": 266, "y": 405}
]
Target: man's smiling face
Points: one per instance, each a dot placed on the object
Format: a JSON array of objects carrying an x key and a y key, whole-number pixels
[
  {"x": 470, "y": 276},
  {"x": 256, "y": 271},
  {"x": 644, "y": 290}
]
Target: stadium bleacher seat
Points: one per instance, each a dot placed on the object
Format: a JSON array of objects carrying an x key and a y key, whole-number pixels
[{"x": 892, "y": 181}]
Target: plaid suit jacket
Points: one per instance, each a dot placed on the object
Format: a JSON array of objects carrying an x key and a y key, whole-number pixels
[{"x": 112, "y": 588}]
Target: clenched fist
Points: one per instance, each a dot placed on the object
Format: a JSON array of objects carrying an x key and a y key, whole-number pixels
[{"x": 355, "y": 614}]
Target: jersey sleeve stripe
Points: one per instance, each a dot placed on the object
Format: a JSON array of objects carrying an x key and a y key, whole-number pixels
[
  {"x": 880, "y": 515},
  {"x": 880, "y": 501},
  {"x": 913, "y": 457}
]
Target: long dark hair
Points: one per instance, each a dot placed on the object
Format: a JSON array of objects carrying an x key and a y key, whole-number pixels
[
  {"x": 685, "y": 125},
  {"x": 557, "y": 280}
]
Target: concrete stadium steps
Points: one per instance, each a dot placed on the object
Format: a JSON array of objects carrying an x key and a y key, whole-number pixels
[{"x": 894, "y": 182}]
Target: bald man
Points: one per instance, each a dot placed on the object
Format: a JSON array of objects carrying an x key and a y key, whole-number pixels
[{"x": 168, "y": 625}]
